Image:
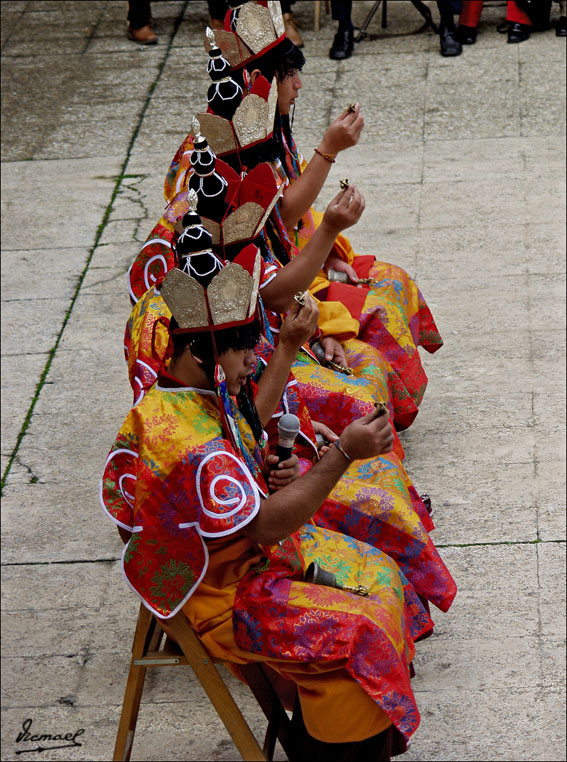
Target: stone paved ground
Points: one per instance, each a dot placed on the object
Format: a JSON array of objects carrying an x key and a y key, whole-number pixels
[{"x": 463, "y": 165}]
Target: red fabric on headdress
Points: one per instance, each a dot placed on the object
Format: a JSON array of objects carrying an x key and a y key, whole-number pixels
[
  {"x": 260, "y": 186},
  {"x": 247, "y": 259},
  {"x": 233, "y": 178},
  {"x": 261, "y": 87}
]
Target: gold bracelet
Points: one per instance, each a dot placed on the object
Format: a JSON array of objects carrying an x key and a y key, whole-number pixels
[{"x": 327, "y": 156}]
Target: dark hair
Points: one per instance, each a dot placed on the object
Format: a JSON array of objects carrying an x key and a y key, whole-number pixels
[
  {"x": 279, "y": 61},
  {"x": 201, "y": 344}
]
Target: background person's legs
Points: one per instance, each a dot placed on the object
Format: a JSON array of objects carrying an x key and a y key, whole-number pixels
[
  {"x": 520, "y": 23},
  {"x": 291, "y": 29},
  {"x": 450, "y": 46},
  {"x": 468, "y": 21},
  {"x": 344, "y": 38},
  {"x": 139, "y": 29},
  {"x": 561, "y": 28}
]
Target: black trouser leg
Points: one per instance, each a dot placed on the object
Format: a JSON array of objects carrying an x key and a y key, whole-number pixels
[
  {"x": 139, "y": 13},
  {"x": 447, "y": 9},
  {"x": 341, "y": 11}
]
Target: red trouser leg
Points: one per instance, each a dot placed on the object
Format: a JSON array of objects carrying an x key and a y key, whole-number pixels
[
  {"x": 515, "y": 15},
  {"x": 470, "y": 13}
]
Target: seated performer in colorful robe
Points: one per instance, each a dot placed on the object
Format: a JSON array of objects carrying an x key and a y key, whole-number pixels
[
  {"x": 185, "y": 482},
  {"x": 376, "y": 501}
]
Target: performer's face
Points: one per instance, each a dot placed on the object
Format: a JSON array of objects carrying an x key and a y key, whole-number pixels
[
  {"x": 237, "y": 364},
  {"x": 288, "y": 90}
]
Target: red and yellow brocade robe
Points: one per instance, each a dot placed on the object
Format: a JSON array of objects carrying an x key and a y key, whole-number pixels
[
  {"x": 394, "y": 318},
  {"x": 179, "y": 486}
]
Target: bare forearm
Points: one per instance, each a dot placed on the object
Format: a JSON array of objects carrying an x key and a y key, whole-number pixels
[
  {"x": 303, "y": 191},
  {"x": 300, "y": 273},
  {"x": 272, "y": 381},
  {"x": 285, "y": 511}
]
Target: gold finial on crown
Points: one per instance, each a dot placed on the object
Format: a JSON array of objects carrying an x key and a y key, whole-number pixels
[
  {"x": 196, "y": 129},
  {"x": 192, "y": 200}
]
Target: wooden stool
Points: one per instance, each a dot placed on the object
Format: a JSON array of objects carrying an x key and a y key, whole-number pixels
[{"x": 152, "y": 647}]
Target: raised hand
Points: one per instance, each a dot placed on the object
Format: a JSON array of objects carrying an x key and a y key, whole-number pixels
[
  {"x": 300, "y": 323},
  {"x": 368, "y": 436},
  {"x": 343, "y": 132},
  {"x": 344, "y": 210}
]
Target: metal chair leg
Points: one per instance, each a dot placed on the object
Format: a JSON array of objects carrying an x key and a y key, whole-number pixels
[
  {"x": 362, "y": 33},
  {"x": 426, "y": 13}
]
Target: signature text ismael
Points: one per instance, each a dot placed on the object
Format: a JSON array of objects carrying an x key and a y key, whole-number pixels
[{"x": 26, "y": 735}]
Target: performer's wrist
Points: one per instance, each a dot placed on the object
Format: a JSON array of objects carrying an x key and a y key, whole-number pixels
[
  {"x": 330, "y": 157},
  {"x": 337, "y": 444}
]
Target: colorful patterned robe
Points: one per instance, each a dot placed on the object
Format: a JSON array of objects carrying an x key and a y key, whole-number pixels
[
  {"x": 395, "y": 318},
  {"x": 181, "y": 488}
]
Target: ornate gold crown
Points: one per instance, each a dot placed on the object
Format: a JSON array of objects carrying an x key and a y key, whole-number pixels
[
  {"x": 259, "y": 25},
  {"x": 253, "y": 122},
  {"x": 259, "y": 192},
  {"x": 229, "y": 300},
  {"x": 244, "y": 224}
]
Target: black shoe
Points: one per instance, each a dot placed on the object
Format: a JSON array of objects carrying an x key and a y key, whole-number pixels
[
  {"x": 518, "y": 32},
  {"x": 561, "y": 28},
  {"x": 466, "y": 35},
  {"x": 449, "y": 45},
  {"x": 342, "y": 45}
]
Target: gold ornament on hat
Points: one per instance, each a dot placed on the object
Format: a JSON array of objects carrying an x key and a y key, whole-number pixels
[
  {"x": 214, "y": 229},
  {"x": 185, "y": 299},
  {"x": 196, "y": 130},
  {"x": 256, "y": 25},
  {"x": 219, "y": 132},
  {"x": 231, "y": 47},
  {"x": 232, "y": 296},
  {"x": 275, "y": 8},
  {"x": 253, "y": 120}
]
